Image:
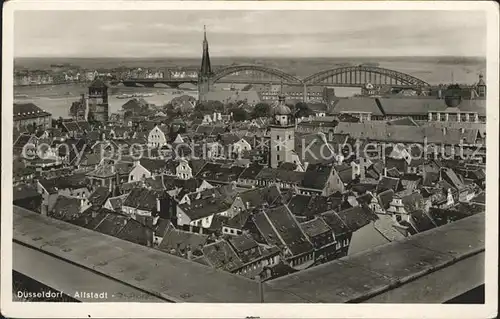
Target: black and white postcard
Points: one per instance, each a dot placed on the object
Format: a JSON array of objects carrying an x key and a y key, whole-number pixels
[{"x": 226, "y": 159}]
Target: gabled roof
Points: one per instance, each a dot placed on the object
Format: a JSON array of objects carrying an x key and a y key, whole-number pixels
[
  {"x": 356, "y": 217},
  {"x": 66, "y": 208},
  {"x": 316, "y": 176},
  {"x": 143, "y": 198},
  {"x": 221, "y": 255},
  {"x": 353, "y": 105},
  {"x": 74, "y": 181},
  {"x": 27, "y": 111},
  {"x": 251, "y": 171},
  {"x": 337, "y": 225},
  {"x": 422, "y": 221},
  {"x": 315, "y": 227},
  {"x": 24, "y": 191},
  {"x": 388, "y": 183},
  {"x": 279, "y": 227},
  {"x": 204, "y": 207},
  {"x": 280, "y": 175},
  {"x": 179, "y": 240},
  {"x": 99, "y": 196}
]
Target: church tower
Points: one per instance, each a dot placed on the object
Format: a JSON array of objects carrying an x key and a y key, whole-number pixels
[
  {"x": 282, "y": 129},
  {"x": 205, "y": 73},
  {"x": 481, "y": 86},
  {"x": 98, "y": 101}
]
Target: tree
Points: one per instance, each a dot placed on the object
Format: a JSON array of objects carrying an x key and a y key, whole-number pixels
[
  {"x": 302, "y": 110},
  {"x": 261, "y": 110},
  {"x": 209, "y": 106},
  {"x": 239, "y": 114}
]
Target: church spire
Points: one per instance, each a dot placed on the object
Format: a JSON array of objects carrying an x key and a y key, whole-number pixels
[{"x": 206, "y": 67}]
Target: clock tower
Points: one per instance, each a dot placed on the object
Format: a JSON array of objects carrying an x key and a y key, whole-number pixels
[{"x": 282, "y": 129}]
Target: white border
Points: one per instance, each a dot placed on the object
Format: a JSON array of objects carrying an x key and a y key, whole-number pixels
[{"x": 140, "y": 310}]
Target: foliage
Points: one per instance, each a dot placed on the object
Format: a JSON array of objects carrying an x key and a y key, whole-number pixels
[
  {"x": 261, "y": 110},
  {"x": 302, "y": 110},
  {"x": 239, "y": 114}
]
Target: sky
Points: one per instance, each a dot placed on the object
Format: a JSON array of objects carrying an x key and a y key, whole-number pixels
[{"x": 249, "y": 33}]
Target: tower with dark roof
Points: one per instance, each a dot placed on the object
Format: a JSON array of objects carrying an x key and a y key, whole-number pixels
[
  {"x": 282, "y": 131},
  {"x": 481, "y": 86},
  {"x": 205, "y": 73},
  {"x": 98, "y": 101}
]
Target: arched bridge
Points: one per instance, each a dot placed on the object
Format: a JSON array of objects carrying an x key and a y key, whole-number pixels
[
  {"x": 361, "y": 75},
  {"x": 259, "y": 73},
  {"x": 349, "y": 76}
]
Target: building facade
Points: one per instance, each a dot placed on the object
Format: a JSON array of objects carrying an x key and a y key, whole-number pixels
[
  {"x": 98, "y": 101},
  {"x": 282, "y": 130},
  {"x": 28, "y": 115}
]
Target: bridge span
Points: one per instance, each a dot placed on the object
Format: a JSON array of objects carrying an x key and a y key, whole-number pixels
[
  {"x": 346, "y": 76},
  {"x": 430, "y": 267}
]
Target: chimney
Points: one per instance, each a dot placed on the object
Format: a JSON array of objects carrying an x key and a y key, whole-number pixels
[
  {"x": 385, "y": 171},
  {"x": 158, "y": 204}
]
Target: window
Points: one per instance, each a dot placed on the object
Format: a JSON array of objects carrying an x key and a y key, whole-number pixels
[{"x": 278, "y": 158}]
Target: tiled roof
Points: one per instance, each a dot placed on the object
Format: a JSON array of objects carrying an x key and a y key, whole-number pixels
[
  {"x": 344, "y": 172},
  {"x": 411, "y": 106},
  {"x": 316, "y": 176},
  {"x": 220, "y": 255},
  {"x": 99, "y": 196},
  {"x": 239, "y": 220},
  {"x": 74, "y": 181},
  {"x": 24, "y": 191},
  {"x": 251, "y": 171},
  {"x": 353, "y": 105},
  {"x": 314, "y": 148},
  {"x": 27, "y": 111},
  {"x": 337, "y": 225},
  {"x": 279, "y": 175},
  {"x": 242, "y": 243},
  {"x": 112, "y": 224},
  {"x": 204, "y": 207},
  {"x": 302, "y": 205},
  {"x": 356, "y": 217},
  {"x": 220, "y": 173},
  {"x": 422, "y": 221},
  {"x": 388, "y": 183},
  {"x": 153, "y": 165},
  {"x": 135, "y": 232},
  {"x": 175, "y": 239},
  {"x": 117, "y": 202},
  {"x": 315, "y": 227},
  {"x": 385, "y": 198},
  {"x": 285, "y": 231},
  {"x": 103, "y": 171},
  {"x": 143, "y": 199},
  {"x": 66, "y": 208},
  {"x": 385, "y": 226},
  {"x": 98, "y": 83},
  {"x": 406, "y": 134}
]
